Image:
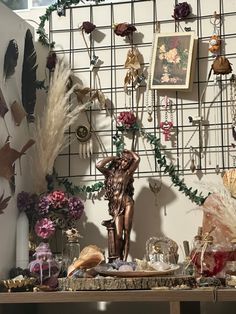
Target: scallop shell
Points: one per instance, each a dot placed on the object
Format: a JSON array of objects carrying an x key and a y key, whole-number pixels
[
  {"x": 229, "y": 181},
  {"x": 89, "y": 257}
]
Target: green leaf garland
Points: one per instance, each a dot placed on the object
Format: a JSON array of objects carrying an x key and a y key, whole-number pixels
[{"x": 43, "y": 37}]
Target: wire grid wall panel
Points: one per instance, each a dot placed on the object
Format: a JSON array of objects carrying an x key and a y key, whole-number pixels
[{"x": 209, "y": 143}]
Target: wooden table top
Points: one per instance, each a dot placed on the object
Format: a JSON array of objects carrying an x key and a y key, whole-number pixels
[{"x": 204, "y": 295}]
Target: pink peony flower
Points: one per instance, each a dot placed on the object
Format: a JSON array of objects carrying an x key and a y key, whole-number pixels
[
  {"x": 44, "y": 228},
  {"x": 58, "y": 199},
  {"x": 127, "y": 119}
]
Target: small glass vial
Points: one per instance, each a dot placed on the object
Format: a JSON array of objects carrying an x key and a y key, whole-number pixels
[{"x": 72, "y": 247}]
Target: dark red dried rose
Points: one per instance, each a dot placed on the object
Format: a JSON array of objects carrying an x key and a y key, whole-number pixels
[
  {"x": 88, "y": 27},
  {"x": 181, "y": 11},
  {"x": 124, "y": 29},
  {"x": 51, "y": 61}
]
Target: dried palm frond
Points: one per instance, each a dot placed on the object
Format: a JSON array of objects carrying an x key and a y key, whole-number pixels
[{"x": 57, "y": 117}]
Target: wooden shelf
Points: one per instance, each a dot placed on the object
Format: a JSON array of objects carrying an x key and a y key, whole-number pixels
[{"x": 206, "y": 295}]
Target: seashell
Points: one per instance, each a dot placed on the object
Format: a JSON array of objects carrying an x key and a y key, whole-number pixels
[
  {"x": 89, "y": 257},
  {"x": 229, "y": 181}
]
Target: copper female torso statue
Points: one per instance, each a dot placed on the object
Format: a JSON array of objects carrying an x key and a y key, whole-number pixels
[{"x": 118, "y": 172}]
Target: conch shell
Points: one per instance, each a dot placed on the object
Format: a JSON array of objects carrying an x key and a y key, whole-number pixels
[
  {"x": 229, "y": 181},
  {"x": 89, "y": 257}
]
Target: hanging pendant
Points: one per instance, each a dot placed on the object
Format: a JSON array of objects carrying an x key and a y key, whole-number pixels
[
  {"x": 84, "y": 137},
  {"x": 192, "y": 166},
  {"x": 155, "y": 187},
  {"x": 166, "y": 127},
  {"x": 234, "y": 132},
  {"x": 217, "y": 169},
  {"x": 149, "y": 117}
]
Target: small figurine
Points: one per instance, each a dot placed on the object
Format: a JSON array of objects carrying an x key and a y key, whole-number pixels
[{"x": 214, "y": 44}]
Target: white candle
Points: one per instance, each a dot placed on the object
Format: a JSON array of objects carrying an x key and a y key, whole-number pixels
[{"x": 22, "y": 241}]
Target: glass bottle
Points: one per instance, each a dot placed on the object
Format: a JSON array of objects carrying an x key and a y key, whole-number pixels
[
  {"x": 72, "y": 247},
  {"x": 210, "y": 258},
  {"x": 44, "y": 266}
]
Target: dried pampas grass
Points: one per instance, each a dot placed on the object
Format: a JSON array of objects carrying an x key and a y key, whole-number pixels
[{"x": 51, "y": 126}]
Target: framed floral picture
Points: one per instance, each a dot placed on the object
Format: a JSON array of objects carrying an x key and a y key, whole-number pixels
[{"x": 172, "y": 60}]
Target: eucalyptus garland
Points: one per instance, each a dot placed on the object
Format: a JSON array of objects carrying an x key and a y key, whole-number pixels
[
  {"x": 75, "y": 189},
  {"x": 43, "y": 37},
  {"x": 169, "y": 169}
]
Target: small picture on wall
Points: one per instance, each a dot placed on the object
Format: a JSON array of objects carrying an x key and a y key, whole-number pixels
[{"x": 172, "y": 61}]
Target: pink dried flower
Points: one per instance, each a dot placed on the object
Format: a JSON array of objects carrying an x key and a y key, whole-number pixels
[
  {"x": 58, "y": 199},
  {"x": 44, "y": 228},
  {"x": 127, "y": 119}
]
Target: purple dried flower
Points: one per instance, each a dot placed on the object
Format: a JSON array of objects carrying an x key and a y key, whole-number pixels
[
  {"x": 88, "y": 27},
  {"x": 26, "y": 201},
  {"x": 76, "y": 207},
  {"x": 181, "y": 11},
  {"x": 44, "y": 205}
]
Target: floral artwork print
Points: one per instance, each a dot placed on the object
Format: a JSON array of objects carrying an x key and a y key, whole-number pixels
[{"x": 172, "y": 61}]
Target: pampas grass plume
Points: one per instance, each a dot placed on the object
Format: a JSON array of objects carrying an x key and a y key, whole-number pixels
[{"x": 58, "y": 115}]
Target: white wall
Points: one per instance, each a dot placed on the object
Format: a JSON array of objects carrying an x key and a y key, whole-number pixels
[{"x": 12, "y": 27}]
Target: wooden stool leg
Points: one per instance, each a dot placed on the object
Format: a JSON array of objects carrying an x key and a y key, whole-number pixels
[{"x": 175, "y": 307}]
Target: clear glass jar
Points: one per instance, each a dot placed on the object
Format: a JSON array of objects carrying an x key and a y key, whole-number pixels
[{"x": 72, "y": 247}]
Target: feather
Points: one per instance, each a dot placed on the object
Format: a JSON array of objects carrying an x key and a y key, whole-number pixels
[
  {"x": 3, "y": 105},
  {"x": 10, "y": 59},
  {"x": 29, "y": 68}
]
